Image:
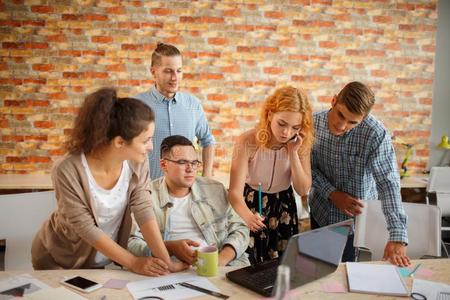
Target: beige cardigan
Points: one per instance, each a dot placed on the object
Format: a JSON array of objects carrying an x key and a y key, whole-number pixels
[{"x": 66, "y": 239}]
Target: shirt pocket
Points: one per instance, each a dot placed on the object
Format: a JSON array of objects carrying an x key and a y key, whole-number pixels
[{"x": 353, "y": 160}]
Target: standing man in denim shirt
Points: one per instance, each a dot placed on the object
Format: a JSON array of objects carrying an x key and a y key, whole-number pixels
[
  {"x": 192, "y": 211},
  {"x": 176, "y": 112},
  {"x": 353, "y": 160}
]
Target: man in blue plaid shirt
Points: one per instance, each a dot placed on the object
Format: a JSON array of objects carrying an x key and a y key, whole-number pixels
[{"x": 353, "y": 160}]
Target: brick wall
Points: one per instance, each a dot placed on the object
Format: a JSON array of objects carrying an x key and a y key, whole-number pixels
[{"x": 52, "y": 53}]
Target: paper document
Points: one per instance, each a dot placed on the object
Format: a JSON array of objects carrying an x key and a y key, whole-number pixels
[
  {"x": 430, "y": 289},
  {"x": 55, "y": 293},
  {"x": 375, "y": 279},
  {"x": 18, "y": 286},
  {"x": 167, "y": 288}
]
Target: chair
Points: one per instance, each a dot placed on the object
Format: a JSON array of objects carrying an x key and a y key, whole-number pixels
[
  {"x": 424, "y": 230},
  {"x": 21, "y": 216},
  {"x": 438, "y": 192}
]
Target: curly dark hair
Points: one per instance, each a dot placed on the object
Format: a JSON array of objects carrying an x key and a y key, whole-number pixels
[{"x": 103, "y": 116}]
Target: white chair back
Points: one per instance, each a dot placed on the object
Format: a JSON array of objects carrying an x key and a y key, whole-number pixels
[
  {"x": 439, "y": 183},
  {"x": 424, "y": 230},
  {"x": 21, "y": 216}
]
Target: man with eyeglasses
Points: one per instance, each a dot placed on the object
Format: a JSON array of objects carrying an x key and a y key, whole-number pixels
[{"x": 192, "y": 211}]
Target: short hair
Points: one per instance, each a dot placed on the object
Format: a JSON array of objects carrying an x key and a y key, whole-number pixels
[
  {"x": 103, "y": 116},
  {"x": 357, "y": 98},
  {"x": 174, "y": 140},
  {"x": 163, "y": 50},
  {"x": 290, "y": 99}
]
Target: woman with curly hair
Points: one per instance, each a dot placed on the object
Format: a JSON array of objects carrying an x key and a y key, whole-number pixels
[
  {"x": 268, "y": 162},
  {"x": 102, "y": 180}
]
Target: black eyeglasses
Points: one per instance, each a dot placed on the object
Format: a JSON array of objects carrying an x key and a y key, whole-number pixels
[{"x": 184, "y": 162}]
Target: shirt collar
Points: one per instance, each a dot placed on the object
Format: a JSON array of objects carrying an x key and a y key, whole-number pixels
[
  {"x": 164, "y": 198},
  {"x": 160, "y": 97}
]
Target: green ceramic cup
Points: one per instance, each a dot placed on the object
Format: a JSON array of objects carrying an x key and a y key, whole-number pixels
[{"x": 207, "y": 261}]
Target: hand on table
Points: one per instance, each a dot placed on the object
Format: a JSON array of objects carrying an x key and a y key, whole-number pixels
[
  {"x": 395, "y": 252},
  {"x": 150, "y": 266}
]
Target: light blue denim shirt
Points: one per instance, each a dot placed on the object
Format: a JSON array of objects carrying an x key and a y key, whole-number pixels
[
  {"x": 181, "y": 115},
  {"x": 216, "y": 219}
]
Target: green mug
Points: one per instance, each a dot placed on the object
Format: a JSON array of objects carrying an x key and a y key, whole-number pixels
[{"x": 207, "y": 261}]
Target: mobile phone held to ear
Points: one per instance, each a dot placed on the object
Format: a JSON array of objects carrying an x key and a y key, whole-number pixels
[
  {"x": 81, "y": 284},
  {"x": 293, "y": 139}
]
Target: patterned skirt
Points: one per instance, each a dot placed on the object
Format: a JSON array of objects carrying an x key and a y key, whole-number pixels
[{"x": 280, "y": 217}]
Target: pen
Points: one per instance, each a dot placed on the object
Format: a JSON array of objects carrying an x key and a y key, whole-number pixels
[
  {"x": 415, "y": 269},
  {"x": 206, "y": 291},
  {"x": 259, "y": 198}
]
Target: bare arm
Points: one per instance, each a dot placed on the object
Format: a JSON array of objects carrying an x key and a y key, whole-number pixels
[
  {"x": 301, "y": 173},
  {"x": 238, "y": 174},
  {"x": 152, "y": 236},
  {"x": 208, "y": 160},
  {"x": 141, "y": 265},
  {"x": 226, "y": 255}
]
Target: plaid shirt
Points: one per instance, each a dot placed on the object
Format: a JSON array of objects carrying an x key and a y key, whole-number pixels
[
  {"x": 360, "y": 163},
  {"x": 210, "y": 209},
  {"x": 182, "y": 115}
]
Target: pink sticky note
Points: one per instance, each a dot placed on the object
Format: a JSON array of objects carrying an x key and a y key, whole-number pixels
[
  {"x": 424, "y": 272},
  {"x": 333, "y": 287},
  {"x": 295, "y": 293},
  {"x": 115, "y": 284}
]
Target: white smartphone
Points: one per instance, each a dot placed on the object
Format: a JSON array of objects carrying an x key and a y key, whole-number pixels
[{"x": 81, "y": 284}]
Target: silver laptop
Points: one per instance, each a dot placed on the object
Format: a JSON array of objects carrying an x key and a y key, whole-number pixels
[{"x": 310, "y": 255}]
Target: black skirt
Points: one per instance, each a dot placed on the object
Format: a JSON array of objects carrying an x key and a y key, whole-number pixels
[{"x": 280, "y": 217}]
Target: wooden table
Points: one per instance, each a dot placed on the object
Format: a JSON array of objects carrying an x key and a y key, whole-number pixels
[
  {"x": 24, "y": 183},
  {"x": 313, "y": 290}
]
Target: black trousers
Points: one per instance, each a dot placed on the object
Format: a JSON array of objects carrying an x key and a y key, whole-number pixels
[{"x": 349, "y": 251}]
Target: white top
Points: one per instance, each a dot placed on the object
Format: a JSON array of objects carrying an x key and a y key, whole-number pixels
[
  {"x": 109, "y": 205},
  {"x": 181, "y": 223}
]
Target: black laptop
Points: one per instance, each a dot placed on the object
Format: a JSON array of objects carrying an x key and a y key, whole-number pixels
[{"x": 310, "y": 255}]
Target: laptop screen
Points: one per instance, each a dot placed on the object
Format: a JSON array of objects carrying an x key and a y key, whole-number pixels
[{"x": 314, "y": 254}]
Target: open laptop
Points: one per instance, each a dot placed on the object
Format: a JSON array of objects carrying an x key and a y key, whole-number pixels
[{"x": 310, "y": 255}]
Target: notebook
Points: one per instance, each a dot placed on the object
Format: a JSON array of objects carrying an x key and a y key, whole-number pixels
[
  {"x": 375, "y": 279},
  {"x": 310, "y": 255}
]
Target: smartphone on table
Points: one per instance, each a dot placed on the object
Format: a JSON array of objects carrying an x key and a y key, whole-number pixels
[{"x": 81, "y": 284}]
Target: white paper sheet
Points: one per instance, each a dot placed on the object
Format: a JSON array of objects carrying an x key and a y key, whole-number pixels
[
  {"x": 149, "y": 287},
  {"x": 30, "y": 284},
  {"x": 54, "y": 293},
  {"x": 375, "y": 279},
  {"x": 429, "y": 289}
]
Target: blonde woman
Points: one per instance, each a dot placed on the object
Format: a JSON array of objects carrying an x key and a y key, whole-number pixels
[{"x": 268, "y": 162}]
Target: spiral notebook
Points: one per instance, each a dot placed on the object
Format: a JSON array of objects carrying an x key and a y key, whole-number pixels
[{"x": 375, "y": 279}]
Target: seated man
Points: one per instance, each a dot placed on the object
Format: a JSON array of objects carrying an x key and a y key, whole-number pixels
[{"x": 192, "y": 211}]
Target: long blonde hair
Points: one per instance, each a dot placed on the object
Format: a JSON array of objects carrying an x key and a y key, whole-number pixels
[{"x": 290, "y": 99}]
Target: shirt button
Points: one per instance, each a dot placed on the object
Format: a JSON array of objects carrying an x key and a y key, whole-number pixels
[{"x": 171, "y": 124}]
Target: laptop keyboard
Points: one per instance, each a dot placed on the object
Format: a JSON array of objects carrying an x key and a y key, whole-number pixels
[
  {"x": 259, "y": 278},
  {"x": 264, "y": 279}
]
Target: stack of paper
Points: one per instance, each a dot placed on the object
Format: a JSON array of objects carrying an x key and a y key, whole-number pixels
[{"x": 375, "y": 279}]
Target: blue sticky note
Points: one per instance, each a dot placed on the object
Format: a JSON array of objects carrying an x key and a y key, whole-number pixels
[{"x": 404, "y": 271}]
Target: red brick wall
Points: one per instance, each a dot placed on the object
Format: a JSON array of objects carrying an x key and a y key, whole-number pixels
[{"x": 235, "y": 54}]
